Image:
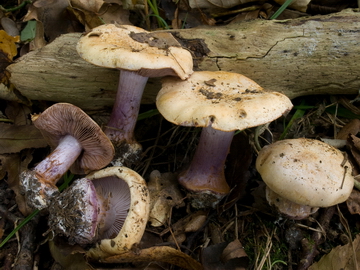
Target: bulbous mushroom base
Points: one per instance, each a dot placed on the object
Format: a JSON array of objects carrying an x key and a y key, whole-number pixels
[
  {"x": 38, "y": 194},
  {"x": 288, "y": 208},
  {"x": 74, "y": 214},
  {"x": 126, "y": 153},
  {"x": 204, "y": 199}
]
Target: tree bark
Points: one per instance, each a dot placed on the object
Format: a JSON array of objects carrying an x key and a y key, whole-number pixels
[{"x": 304, "y": 56}]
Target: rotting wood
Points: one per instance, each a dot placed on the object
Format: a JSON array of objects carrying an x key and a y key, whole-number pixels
[{"x": 304, "y": 56}]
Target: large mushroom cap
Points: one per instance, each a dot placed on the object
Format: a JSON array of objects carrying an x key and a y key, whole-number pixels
[
  {"x": 227, "y": 101},
  {"x": 134, "y": 49},
  {"x": 306, "y": 171},
  {"x": 66, "y": 119}
]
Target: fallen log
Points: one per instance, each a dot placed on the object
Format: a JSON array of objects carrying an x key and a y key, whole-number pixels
[{"x": 304, "y": 56}]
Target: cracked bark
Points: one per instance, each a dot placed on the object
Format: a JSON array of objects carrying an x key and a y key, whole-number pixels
[{"x": 304, "y": 56}]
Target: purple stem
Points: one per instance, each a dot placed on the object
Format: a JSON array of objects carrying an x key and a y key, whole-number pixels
[
  {"x": 126, "y": 107},
  {"x": 206, "y": 171},
  {"x": 59, "y": 161}
]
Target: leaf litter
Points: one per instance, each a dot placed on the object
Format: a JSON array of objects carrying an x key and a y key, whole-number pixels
[{"x": 243, "y": 232}]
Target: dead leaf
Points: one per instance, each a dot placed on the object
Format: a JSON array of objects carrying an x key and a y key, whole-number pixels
[
  {"x": 7, "y": 44},
  {"x": 345, "y": 257},
  {"x": 217, "y": 3},
  {"x": 53, "y": 19},
  {"x": 11, "y": 165},
  {"x": 300, "y": 5},
  {"x": 225, "y": 256},
  {"x": 353, "y": 202},
  {"x": 14, "y": 138},
  {"x": 190, "y": 223},
  {"x": 164, "y": 195},
  {"x": 353, "y": 127},
  {"x": 353, "y": 144},
  {"x": 18, "y": 113},
  {"x": 70, "y": 257},
  {"x": 97, "y": 12},
  {"x": 7, "y": 51},
  {"x": 157, "y": 253}
]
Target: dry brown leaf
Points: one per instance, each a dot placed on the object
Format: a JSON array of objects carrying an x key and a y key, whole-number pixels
[
  {"x": 18, "y": 113},
  {"x": 14, "y": 138},
  {"x": 352, "y": 141},
  {"x": 11, "y": 166},
  {"x": 217, "y": 3},
  {"x": 225, "y": 256},
  {"x": 97, "y": 12},
  {"x": 353, "y": 202},
  {"x": 345, "y": 257},
  {"x": 160, "y": 254},
  {"x": 164, "y": 195},
  {"x": 190, "y": 223},
  {"x": 53, "y": 19},
  {"x": 7, "y": 52},
  {"x": 353, "y": 127},
  {"x": 300, "y": 5}
]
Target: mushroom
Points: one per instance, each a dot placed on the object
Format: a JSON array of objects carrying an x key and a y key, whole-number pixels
[
  {"x": 79, "y": 145},
  {"x": 109, "y": 207},
  {"x": 220, "y": 102},
  {"x": 304, "y": 174},
  {"x": 138, "y": 54}
]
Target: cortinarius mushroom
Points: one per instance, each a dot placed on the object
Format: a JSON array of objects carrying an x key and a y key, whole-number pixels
[
  {"x": 220, "y": 102},
  {"x": 306, "y": 174},
  {"x": 80, "y": 145},
  {"x": 138, "y": 55},
  {"x": 109, "y": 207}
]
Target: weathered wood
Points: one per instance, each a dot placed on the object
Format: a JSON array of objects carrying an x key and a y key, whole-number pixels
[{"x": 305, "y": 56}]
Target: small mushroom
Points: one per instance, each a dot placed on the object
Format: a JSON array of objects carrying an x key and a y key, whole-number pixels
[
  {"x": 304, "y": 174},
  {"x": 109, "y": 207},
  {"x": 220, "y": 102},
  {"x": 79, "y": 145},
  {"x": 138, "y": 55}
]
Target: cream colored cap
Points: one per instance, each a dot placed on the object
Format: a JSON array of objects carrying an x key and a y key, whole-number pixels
[
  {"x": 131, "y": 48},
  {"x": 306, "y": 171},
  {"x": 226, "y": 101}
]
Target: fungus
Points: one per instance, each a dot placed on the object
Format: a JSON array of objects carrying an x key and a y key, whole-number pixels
[
  {"x": 304, "y": 174},
  {"x": 138, "y": 55},
  {"x": 220, "y": 102},
  {"x": 109, "y": 208},
  {"x": 79, "y": 145}
]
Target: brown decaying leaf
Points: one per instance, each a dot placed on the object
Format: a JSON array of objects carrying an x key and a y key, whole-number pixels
[
  {"x": 12, "y": 165},
  {"x": 15, "y": 138},
  {"x": 341, "y": 257},
  {"x": 97, "y": 12},
  {"x": 157, "y": 253},
  {"x": 352, "y": 127},
  {"x": 164, "y": 195},
  {"x": 353, "y": 202},
  {"x": 190, "y": 223},
  {"x": 225, "y": 256}
]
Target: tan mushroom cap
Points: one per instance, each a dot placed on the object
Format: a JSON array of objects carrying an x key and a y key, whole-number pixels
[
  {"x": 66, "y": 119},
  {"x": 306, "y": 171},
  {"x": 134, "y": 49},
  {"x": 228, "y": 101},
  {"x": 134, "y": 225}
]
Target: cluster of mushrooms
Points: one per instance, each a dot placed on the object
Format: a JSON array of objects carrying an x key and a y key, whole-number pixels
[{"x": 108, "y": 209}]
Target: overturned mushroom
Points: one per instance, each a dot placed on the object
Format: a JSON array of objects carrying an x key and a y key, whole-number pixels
[
  {"x": 79, "y": 145},
  {"x": 109, "y": 208},
  {"x": 220, "y": 102},
  {"x": 138, "y": 55},
  {"x": 304, "y": 174}
]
